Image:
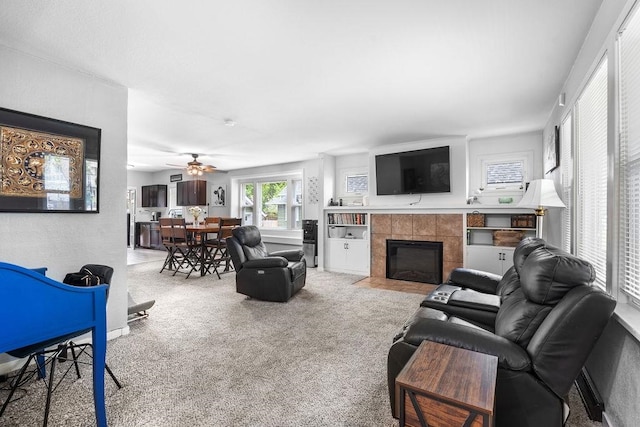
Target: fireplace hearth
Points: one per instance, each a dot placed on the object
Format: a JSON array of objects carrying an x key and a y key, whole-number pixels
[{"x": 414, "y": 261}]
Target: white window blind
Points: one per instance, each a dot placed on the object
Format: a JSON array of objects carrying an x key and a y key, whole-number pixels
[
  {"x": 591, "y": 195},
  {"x": 629, "y": 48},
  {"x": 566, "y": 167}
]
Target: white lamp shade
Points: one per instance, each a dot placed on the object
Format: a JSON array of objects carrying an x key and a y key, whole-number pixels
[{"x": 541, "y": 193}]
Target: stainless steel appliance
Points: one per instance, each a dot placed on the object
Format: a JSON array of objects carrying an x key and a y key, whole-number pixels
[{"x": 310, "y": 241}]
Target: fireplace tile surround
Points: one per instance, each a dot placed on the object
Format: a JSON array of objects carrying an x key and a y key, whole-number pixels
[{"x": 445, "y": 228}]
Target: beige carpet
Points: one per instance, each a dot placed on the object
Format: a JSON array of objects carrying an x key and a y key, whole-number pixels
[{"x": 209, "y": 357}]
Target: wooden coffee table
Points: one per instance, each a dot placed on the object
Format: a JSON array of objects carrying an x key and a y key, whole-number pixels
[{"x": 447, "y": 386}]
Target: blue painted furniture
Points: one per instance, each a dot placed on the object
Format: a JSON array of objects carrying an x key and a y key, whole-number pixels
[{"x": 36, "y": 310}]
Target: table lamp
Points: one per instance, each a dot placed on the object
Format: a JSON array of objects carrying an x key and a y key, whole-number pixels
[{"x": 541, "y": 194}]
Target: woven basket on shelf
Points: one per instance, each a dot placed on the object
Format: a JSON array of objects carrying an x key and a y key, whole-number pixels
[
  {"x": 507, "y": 237},
  {"x": 523, "y": 221},
  {"x": 475, "y": 219}
]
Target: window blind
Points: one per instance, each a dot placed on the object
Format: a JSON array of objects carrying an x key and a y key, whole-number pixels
[
  {"x": 566, "y": 167},
  {"x": 591, "y": 192},
  {"x": 629, "y": 48}
]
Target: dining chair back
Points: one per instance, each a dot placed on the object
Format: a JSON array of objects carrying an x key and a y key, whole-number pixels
[
  {"x": 182, "y": 249},
  {"x": 217, "y": 247}
]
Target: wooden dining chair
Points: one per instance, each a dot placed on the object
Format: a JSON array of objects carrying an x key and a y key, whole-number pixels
[
  {"x": 182, "y": 249},
  {"x": 166, "y": 235},
  {"x": 217, "y": 248},
  {"x": 209, "y": 221}
]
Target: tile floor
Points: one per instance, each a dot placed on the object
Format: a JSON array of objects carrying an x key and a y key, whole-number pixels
[{"x": 140, "y": 255}]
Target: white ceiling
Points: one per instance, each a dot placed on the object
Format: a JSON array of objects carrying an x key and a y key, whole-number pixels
[{"x": 303, "y": 77}]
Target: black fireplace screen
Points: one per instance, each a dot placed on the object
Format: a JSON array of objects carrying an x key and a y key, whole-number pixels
[{"x": 415, "y": 261}]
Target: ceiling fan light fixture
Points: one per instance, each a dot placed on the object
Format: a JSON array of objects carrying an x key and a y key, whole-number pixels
[{"x": 194, "y": 170}]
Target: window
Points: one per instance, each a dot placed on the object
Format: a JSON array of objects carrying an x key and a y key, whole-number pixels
[
  {"x": 357, "y": 184},
  {"x": 353, "y": 182},
  {"x": 506, "y": 171},
  {"x": 566, "y": 170},
  {"x": 272, "y": 203},
  {"x": 629, "y": 250},
  {"x": 591, "y": 191}
]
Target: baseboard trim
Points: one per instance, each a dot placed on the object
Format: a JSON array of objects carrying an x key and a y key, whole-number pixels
[{"x": 591, "y": 399}]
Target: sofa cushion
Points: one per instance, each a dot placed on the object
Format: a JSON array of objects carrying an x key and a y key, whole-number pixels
[
  {"x": 251, "y": 241},
  {"x": 255, "y": 252},
  {"x": 549, "y": 273},
  {"x": 421, "y": 313},
  {"x": 518, "y": 318},
  {"x": 511, "y": 278},
  {"x": 298, "y": 269},
  {"x": 524, "y": 249}
]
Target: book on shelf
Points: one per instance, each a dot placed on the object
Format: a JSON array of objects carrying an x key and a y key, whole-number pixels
[{"x": 347, "y": 218}]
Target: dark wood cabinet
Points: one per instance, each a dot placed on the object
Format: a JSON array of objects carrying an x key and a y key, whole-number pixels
[
  {"x": 192, "y": 193},
  {"x": 154, "y": 196}
]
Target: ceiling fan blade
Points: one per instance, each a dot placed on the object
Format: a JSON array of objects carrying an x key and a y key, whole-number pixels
[{"x": 177, "y": 166}]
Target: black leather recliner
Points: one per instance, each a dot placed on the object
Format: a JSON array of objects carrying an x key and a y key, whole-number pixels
[
  {"x": 262, "y": 275},
  {"x": 542, "y": 334},
  {"x": 477, "y": 295}
]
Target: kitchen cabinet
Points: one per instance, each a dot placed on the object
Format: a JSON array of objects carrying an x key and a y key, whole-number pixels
[
  {"x": 191, "y": 193},
  {"x": 154, "y": 196}
]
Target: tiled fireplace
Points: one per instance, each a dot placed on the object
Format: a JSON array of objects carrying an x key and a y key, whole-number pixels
[{"x": 445, "y": 228}]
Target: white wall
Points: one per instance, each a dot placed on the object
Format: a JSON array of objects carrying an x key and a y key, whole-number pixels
[
  {"x": 350, "y": 164},
  {"x": 64, "y": 242},
  {"x": 505, "y": 145}
]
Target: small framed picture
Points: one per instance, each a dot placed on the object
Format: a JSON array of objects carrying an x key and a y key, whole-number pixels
[
  {"x": 552, "y": 151},
  {"x": 175, "y": 178},
  {"x": 219, "y": 196}
]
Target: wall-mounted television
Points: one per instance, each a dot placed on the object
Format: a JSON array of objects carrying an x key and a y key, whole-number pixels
[{"x": 413, "y": 172}]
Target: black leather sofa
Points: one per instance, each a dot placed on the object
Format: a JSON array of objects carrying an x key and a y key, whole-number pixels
[
  {"x": 546, "y": 320},
  {"x": 275, "y": 276}
]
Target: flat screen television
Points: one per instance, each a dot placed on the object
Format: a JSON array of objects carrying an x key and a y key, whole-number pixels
[{"x": 413, "y": 172}]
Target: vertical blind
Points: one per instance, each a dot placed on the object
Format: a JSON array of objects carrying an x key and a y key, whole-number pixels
[
  {"x": 566, "y": 167},
  {"x": 629, "y": 48},
  {"x": 591, "y": 192}
]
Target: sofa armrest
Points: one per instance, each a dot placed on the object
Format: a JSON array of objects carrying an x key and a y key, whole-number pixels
[
  {"x": 510, "y": 355},
  {"x": 481, "y": 281},
  {"x": 294, "y": 255},
  {"x": 267, "y": 262}
]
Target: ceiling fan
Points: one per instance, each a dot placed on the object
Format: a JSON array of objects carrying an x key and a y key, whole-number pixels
[{"x": 196, "y": 168}]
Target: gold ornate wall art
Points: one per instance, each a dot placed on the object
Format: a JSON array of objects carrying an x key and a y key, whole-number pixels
[
  {"x": 34, "y": 164},
  {"x": 48, "y": 165}
]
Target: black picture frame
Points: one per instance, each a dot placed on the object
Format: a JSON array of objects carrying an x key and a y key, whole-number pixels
[
  {"x": 175, "y": 178},
  {"x": 48, "y": 165},
  {"x": 552, "y": 151}
]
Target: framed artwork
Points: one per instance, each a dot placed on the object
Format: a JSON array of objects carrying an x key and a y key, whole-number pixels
[
  {"x": 48, "y": 165},
  {"x": 552, "y": 151},
  {"x": 219, "y": 196},
  {"x": 176, "y": 178}
]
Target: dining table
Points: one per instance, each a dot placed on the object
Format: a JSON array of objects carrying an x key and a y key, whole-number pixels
[{"x": 201, "y": 231}]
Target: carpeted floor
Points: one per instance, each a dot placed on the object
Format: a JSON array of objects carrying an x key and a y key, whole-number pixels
[{"x": 209, "y": 357}]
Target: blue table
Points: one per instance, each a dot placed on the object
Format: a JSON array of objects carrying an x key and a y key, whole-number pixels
[{"x": 35, "y": 308}]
